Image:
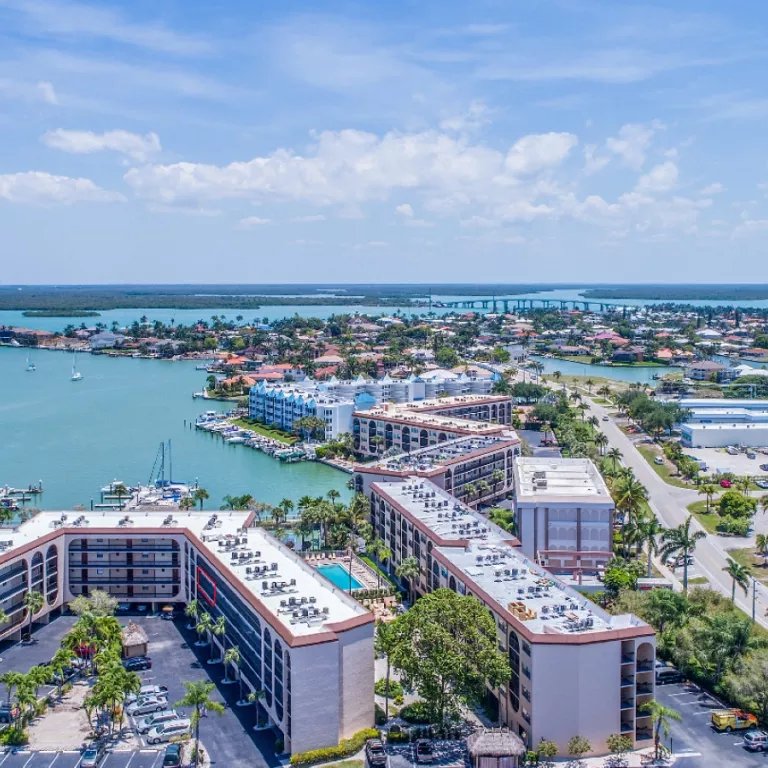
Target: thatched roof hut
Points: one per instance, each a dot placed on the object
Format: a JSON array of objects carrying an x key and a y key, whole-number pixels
[
  {"x": 495, "y": 748},
  {"x": 135, "y": 640}
]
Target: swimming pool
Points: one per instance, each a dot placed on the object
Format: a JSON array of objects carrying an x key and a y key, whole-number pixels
[{"x": 339, "y": 575}]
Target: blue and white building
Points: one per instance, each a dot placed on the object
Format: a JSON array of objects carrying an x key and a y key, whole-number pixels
[{"x": 719, "y": 422}]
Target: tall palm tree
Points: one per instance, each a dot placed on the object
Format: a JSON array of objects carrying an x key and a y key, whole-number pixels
[
  {"x": 409, "y": 569},
  {"x": 590, "y": 384},
  {"x": 204, "y": 625},
  {"x": 764, "y": 503},
  {"x": 648, "y": 531},
  {"x": 34, "y": 603},
  {"x": 614, "y": 454},
  {"x": 232, "y": 657},
  {"x": 386, "y": 641},
  {"x": 120, "y": 491},
  {"x": 198, "y": 698},
  {"x": 380, "y": 552},
  {"x": 739, "y": 575},
  {"x": 761, "y": 545},
  {"x": 660, "y": 718},
  {"x": 193, "y": 612},
  {"x": 709, "y": 490},
  {"x": 200, "y": 496},
  {"x": 601, "y": 441},
  {"x": 681, "y": 540},
  {"x": 218, "y": 629}
]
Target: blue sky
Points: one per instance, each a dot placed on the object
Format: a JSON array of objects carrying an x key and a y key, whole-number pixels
[{"x": 428, "y": 141}]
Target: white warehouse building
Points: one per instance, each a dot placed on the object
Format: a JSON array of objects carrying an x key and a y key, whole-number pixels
[{"x": 720, "y": 422}]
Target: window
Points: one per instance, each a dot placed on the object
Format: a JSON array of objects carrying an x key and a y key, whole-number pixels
[{"x": 514, "y": 664}]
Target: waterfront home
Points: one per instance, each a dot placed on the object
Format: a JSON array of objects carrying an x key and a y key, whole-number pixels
[{"x": 705, "y": 370}]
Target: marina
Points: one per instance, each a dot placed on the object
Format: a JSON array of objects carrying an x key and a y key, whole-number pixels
[{"x": 77, "y": 438}]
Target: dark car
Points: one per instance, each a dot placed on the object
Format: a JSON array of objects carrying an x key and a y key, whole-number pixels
[
  {"x": 667, "y": 674},
  {"x": 8, "y": 713},
  {"x": 375, "y": 753},
  {"x": 172, "y": 756},
  {"x": 137, "y": 663},
  {"x": 425, "y": 753},
  {"x": 764, "y": 467}
]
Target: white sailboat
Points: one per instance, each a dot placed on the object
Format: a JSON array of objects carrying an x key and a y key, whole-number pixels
[
  {"x": 30, "y": 365},
  {"x": 76, "y": 375}
]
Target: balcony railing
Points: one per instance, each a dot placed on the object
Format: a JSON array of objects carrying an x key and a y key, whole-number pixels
[
  {"x": 148, "y": 581},
  {"x": 627, "y": 658},
  {"x": 626, "y": 681},
  {"x": 11, "y": 591},
  {"x": 644, "y": 688},
  {"x": 627, "y": 726},
  {"x": 645, "y": 666}
]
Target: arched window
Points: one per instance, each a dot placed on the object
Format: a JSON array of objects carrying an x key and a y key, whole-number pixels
[
  {"x": 388, "y": 436},
  {"x": 452, "y": 583},
  {"x": 423, "y": 438},
  {"x": 51, "y": 574}
]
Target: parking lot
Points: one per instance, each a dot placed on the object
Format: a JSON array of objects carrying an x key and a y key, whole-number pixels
[
  {"x": 694, "y": 741},
  {"x": 136, "y": 759},
  {"x": 229, "y": 738},
  {"x": 718, "y": 459},
  {"x": 448, "y": 754}
]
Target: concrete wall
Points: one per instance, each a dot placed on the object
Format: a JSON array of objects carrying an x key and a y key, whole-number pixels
[
  {"x": 575, "y": 691},
  {"x": 315, "y": 696},
  {"x": 357, "y": 679}
]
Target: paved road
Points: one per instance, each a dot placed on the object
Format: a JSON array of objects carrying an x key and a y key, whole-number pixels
[
  {"x": 144, "y": 758},
  {"x": 669, "y": 504}
]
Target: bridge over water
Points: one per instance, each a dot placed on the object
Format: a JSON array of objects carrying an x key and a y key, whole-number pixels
[{"x": 494, "y": 304}]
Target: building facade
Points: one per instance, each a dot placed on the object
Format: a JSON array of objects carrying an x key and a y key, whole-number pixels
[
  {"x": 564, "y": 514},
  {"x": 303, "y": 641},
  {"x": 576, "y": 670}
]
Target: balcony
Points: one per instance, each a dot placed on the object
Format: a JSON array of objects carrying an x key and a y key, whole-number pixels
[
  {"x": 138, "y": 548},
  {"x": 645, "y": 666},
  {"x": 627, "y": 681},
  {"x": 627, "y": 704},
  {"x": 627, "y": 726},
  {"x": 644, "y": 689},
  {"x": 125, "y": 581},
  {"x": 12, "y": 591},
  {"x": 14, "y": 570},
  {"x": 627, "y": 658}
]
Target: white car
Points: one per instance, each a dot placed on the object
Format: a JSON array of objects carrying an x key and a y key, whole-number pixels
[
  {"x": 167, "y": 731},
  {"x": 160, "y": 691},
  {"x": 145, "y": 706},
  {"x": 146, "y": 724}
]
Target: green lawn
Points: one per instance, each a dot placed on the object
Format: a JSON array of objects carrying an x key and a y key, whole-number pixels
[
  {"x": 601, "y": 401},
  {"x": 709, "y": 521},
  {"x": 750, "y": 559},
  {"x": 698, "y": 581},
  {"x": 385, "y": 579},
  {"x": 350, "y": 764},
  {"x": 274, "y": 434},
  {"x": 665, "y": 470}
]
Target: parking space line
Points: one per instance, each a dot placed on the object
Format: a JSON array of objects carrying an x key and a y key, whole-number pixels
[
  {"x": 31, "y": 758},
  {"x": 54, "y": 759},
  {"x": 7, "y": 755},
  {"x": 133, "y": 754},
  {"x": 154, "y": 762}
]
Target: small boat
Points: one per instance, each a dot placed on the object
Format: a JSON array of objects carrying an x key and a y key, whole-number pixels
[
  {"x": 30, "y": 365},
  {"x": 76, "y": 375}
]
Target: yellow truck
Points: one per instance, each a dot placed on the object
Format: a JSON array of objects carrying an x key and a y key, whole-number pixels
[{"x": 733, "y": 720}]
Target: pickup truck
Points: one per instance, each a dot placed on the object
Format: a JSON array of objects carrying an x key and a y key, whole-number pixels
[{"x": 733, "y": 720}]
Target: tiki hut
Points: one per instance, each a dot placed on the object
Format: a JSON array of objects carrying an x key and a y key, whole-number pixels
[
  {"x": 495, "y": 748},
  {"x": 135, "y": 641}
]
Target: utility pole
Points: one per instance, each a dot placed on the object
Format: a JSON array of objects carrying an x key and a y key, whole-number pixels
[{"x": 754, "y": 598}]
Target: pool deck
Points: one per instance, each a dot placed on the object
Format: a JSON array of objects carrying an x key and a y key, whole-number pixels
[{"x": 360, "y": 571}]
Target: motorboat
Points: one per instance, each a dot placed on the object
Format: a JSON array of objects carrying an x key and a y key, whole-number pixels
[
  {"x": 76, "y": 375},
  {"x": 30, "y": 365}
]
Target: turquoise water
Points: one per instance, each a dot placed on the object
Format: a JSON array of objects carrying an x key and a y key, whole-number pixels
[
  {"x": 617, "y": 373},
  {"x": 339, "y": 575},
  {"x": 78, "y": 436}
]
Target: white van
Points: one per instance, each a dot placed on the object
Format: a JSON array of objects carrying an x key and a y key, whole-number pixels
[
  {"x": 157, "y": 719},
  {"x": 167, "y": 731}
]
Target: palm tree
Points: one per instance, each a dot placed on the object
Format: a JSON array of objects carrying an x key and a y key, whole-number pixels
[
  {"x": 601, "y": 441},
  {"x": 34, "y": 603},
  {"x": 583, "y": 408},
  {"x": 739, "y": 575},
  {"x": 197, "y": 697},
  {"x": 218, "y": 629},
  {"x": 187, "y": 503},
  {"x": 200, "y": 496},
  {"x": 204, "y": 625},
  {"x": 630, "y": 496},
  {"x": 557, "y": 375},
  {"x": 614, "y": 454},
  {"x": 333, "y": 494},
  {"x": 232, "y": 656},
  {"x": 681, "y": 541},
  {"x": 4, "y": 618},
  {"x": 743, "y": 483},
  {"x": 193, "y": 612},
  {"x": 590, "y": 384},
  {"x": 764, "y": 503},
  {"x": 648, "y": 530},
  {"x": 386, "y": 642},
  {"x": 11, "y": 680},
  {"x": 761, "y": 545},
  {"x": 380, "y": 552},
  {"x": 409, "y": 569},
  {"x": 708, "y": 490},
  {"x": 660, "y": 719},
  {"x": 120, "y": 491}
]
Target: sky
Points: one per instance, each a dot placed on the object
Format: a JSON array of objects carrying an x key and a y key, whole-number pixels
[{"x": 412, "y": 140}]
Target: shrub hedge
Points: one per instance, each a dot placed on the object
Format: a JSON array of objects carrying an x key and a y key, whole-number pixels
[
  {"x": 345, "y": 748},
  {"x": 395, "y": 689},
  {"x": 415, "y": 713}
]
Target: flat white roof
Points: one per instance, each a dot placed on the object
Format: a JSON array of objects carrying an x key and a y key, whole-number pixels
[
  {"x": 288, "y": 577},
  {"x": 723, "y": 402},
  {"x": 540, "y": 480}
]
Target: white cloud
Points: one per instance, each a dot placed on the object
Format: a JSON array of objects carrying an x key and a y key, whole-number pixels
[
  {"x": 522, "y": 210},
  {"x": 371, "y": 244},
  {"x": 422, "y": 223},
  {"x": 133, "y": 145},
  {"x": 252, "y": 221},
  {"x": 749, "y": 226},
  {"x": 538, "y": 151},
  {"x": 478, "y": 221},
  {"x": 592, "y": 161},
  {"x": 40, "y": 188},
  {"x": 307, "y": 219},
  {"x": 632, "y": 143},
  {"x": 31, "y": 92},
  {"x": 404, "y": 209},
  {"x": 712, "y": 189},
  {"x": 475, "y": 117},
  {"x": 660, "y": 178}
]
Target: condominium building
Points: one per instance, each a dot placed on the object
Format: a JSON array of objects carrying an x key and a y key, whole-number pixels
[
  {"x": 404, "y": 427},
  {"x": 335, "y": 400},
  {"x": 576, "y": 670},
  {"x": 564, "y": 513},
  {"x": 303, "y": 641},
  {"x": 476, "y": 470}
]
